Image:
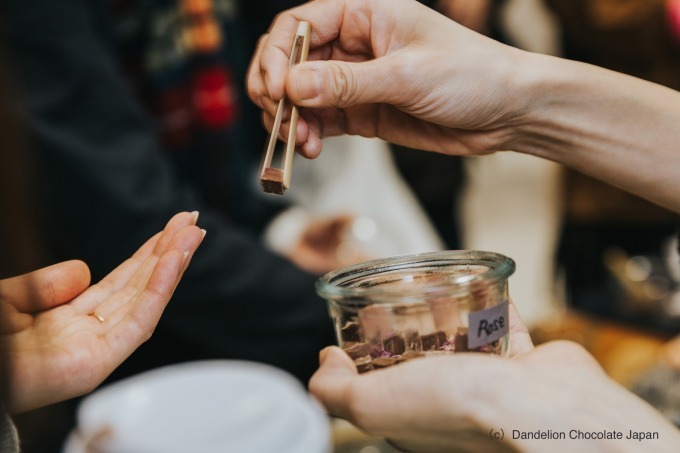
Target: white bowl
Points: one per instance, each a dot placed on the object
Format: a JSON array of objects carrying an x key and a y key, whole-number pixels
[{"x": 210, "y": 406}]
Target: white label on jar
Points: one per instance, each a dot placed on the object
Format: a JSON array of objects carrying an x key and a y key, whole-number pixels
[{"x": 487, "y": 326}]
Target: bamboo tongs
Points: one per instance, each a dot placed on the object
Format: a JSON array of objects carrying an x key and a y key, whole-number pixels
[{"x": 277, "y": 180}]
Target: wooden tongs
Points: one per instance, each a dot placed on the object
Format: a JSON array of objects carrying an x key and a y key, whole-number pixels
[{"x": 277, "y": 180}]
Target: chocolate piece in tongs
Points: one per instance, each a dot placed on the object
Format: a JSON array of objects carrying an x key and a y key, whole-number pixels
[{"x": 277, "y": 180}]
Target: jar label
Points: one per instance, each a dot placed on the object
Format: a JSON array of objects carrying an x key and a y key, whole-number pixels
[{"x": 487, "y": 326}]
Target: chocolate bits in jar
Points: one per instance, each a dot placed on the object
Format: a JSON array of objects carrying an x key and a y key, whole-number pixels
[{"x": 397, "y": 309}]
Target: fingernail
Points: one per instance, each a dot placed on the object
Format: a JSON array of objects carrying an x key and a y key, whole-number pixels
[
  {"x": 308, "y": 83},
  {"x": 195, "y": 214},
  {"x": 203, "y": 233}
]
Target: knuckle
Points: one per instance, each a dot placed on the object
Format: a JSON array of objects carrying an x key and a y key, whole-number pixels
[
  {"x": 49, "y": 292},
  {"x": 575, "y": 354},
  {"x": 147, "y": 334},
  {"x": 344, "y": 84}
]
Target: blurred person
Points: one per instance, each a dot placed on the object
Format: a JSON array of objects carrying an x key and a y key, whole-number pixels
[
  {"x": 394, "y": 69},
  {"x": 102, "y": 158},
  {"x": 136, "y": 111},
  {"x": 59, "y": 336}
]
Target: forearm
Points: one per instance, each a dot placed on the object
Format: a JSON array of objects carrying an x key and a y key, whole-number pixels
[{"x": 617, "y": 128}]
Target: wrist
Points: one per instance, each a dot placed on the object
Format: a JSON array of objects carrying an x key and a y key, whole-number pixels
[
  {"x": 541, "y": 87},
  {"x": 614, "y": 127}
]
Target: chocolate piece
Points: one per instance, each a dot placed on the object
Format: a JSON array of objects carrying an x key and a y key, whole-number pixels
[
  {"x": 394, "y": 345},
  {"x": 358, "y": 350},
  {"x": 384, "y": 362},
  {"x": 413, "y": 341},
  {"x": 364, "y": 364},
  {"x": 430, "y": 342},
  {"x": 408, "y": 355},
  {"x": 461, "y": 341},
  {"x": 272, "y": 181},
  {"x": 351, "y": 331},
  {"x": 433, "y": 341}
]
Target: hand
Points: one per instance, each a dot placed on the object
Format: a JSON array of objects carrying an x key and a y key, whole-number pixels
[
  {"x": 326, "y": 245},
  {"x": 397, "y": 70},
  {"x": 452, "y": 403},
  {"x": 56, "y": 347}
]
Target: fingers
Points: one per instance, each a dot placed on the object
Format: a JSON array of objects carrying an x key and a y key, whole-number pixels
[
  {"x": 331, "y": 384},
  {"x": 45, "y": 288},
  {"x": 173, "y": 227},
  {"x": 571, "y": 356},
  {"x": 12, "y": 321},
  {"x": 134, "y": 323},
  {"x": 135, "y": 271},
  {"x": 255, "y": 86},
  {"x": 176, "y": 223},
  {"x": 520, "y": 340},
  {"x": 326, "y": 17},
  {"x": 154, "y": 247},
  {"x": 342, "y": 84}
]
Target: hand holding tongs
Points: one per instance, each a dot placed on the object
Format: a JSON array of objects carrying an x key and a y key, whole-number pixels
[{"x": 275, "y": 180}]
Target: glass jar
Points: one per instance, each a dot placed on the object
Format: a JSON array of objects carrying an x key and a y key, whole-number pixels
[{"x": 395, "y": 309}]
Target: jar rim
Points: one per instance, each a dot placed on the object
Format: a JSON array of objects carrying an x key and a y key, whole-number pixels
[{"x": 330, "y": 286}]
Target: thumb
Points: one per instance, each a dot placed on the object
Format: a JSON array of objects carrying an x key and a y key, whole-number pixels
[
  {"x": 47, "y": 287},
  {"x": 520, "y": 339},
  {"x": 332, "y": 381},
  {"x": 340, "y": 84}
]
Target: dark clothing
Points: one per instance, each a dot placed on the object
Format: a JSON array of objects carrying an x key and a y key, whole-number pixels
[{"x": 108, "y": 187}]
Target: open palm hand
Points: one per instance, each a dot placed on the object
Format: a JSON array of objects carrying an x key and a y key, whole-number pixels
[{"x": 64, "y": 339}]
